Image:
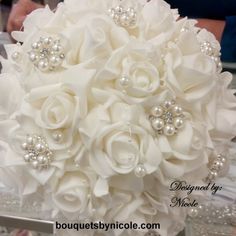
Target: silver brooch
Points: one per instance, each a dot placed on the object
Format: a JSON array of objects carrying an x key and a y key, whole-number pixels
[
  {"x": 37, "y": 152},
  {"x": 216, "y": 167},
  {"x": 123, "y": 17},
  {"x": 47, "y": 54},
  {"x": 167, "y": 118},
  {"x": 208, "y": 49}
]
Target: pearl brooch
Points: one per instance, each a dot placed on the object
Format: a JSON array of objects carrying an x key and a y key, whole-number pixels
[
  {"x": 167, "y": 118},
  {"x": 216, "y": 167},
  {"x": 208, "y": 49},
  {"x": 37, "y": 152},
  {"x": 123, "y": 17},
  {"x": 47, "y": 54}
]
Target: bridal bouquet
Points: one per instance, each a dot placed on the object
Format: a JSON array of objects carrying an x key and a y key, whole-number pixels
[{"x": 104, "y": 103}]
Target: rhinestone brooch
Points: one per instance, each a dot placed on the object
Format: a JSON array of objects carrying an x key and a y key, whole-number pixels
[
  {"x": 37, "y": 152},
  {"x": 167, "y": 118},
  {"x": 212, "y": 52},
  {"x": 123, "y": 17},
  {"x": 216, "y": 167},
  {"x": 47, "y": 54}
]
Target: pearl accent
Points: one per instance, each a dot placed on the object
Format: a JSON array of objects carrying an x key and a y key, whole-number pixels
[
  {"x": 37, "y": 153},
  {"x": 57, "y": 136},
  {"x": 178, "y": 122},
  {"x": 43, "y": 65},
  {"x": 123, "y": 17},
  {"x": 169, "y": 130},
  {"x": 158, "y": 124},
  {"x": 24, "y": 146},
  {"x": 178, "y": 110},
  {"x": 167, "y": 104},
  {"x": 55, "y": 60},
  {"x": 125, "y": 82},
  {"x": 47, "y": 54},
  {"x": 157, "y": 111},
  {"x": 33, "y": 57},
  {"x": 16, "y": 56},
  {"x": 193, "y": 212},
  {"x": 167, "y": 118},
  {"x": 140, "y": 171}
]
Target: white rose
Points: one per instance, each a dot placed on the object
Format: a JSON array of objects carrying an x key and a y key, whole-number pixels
[
  {"x": 115, "y": 141},
  {"x": 71, "y": 192},
  {"x": 157, "y": 21},
  {"x": 132, "y": 72},
  {"x": 83, "y": 40},
  {"x": 53, "y": 107}
]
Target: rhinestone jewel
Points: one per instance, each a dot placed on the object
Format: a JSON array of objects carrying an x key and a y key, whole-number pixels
[
  {"x": 123, "y": 17},
  {"x": 47, "y": 54},
  {"x": 37, "y": 152},
  {"x": 167, "y": 118},
  {"x": 216, "y": 167},
  {"x": 209, "y": 50}
]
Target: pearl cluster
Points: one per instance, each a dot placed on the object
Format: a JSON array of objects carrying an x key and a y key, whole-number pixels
[
  {"x": 37, "y": 152},
  {"x": 123, "y": 17},
  {"x": 167, "y": 118},
  {"x": 216, "y": 167},
  {"x": 212, "y": 52},
  {"x": 47, "y": 54}
]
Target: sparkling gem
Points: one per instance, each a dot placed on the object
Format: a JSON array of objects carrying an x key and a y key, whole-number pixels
[{"x": 140, "y": 171}]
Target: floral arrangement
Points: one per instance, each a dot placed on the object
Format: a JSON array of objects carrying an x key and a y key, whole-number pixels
[{"x": 105, "y": 103}]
